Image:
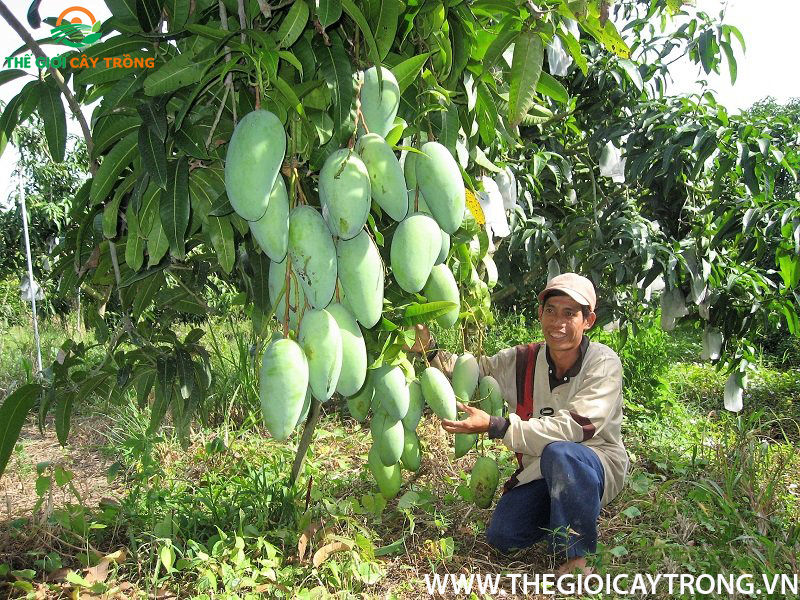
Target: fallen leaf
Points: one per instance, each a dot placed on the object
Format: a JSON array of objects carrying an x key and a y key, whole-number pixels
[
  {"x": 321, "y": 555},
  {"x": 308, "y": 533}
]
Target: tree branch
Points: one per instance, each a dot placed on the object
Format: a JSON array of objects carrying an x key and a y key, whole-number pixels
[{"x": 62, "y": 85}]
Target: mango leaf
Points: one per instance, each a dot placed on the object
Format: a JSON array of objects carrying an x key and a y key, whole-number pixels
[
  {"x": 165, "y": 378},
  {"x": 55, "y": 121},
  {"x": 11, "y": 75},
  {"x": 337, "y": 72},
  {"x": 155, "y": 117},
  {"x": 293, "y": 24},
  {"x": 177, "y": 13},
  {"x": 154, "y": 157},
  {"x": 174, "y": 207},
  {"x": 120, "y": 156},
  {"x": 124, "y": 12},
  {"x": 633, "y": 73},
  {"x": 134, "y": 245},
  {"x": 508, "y": 32},
  {"x": 111, "y": 130},
  {"x": 406, "y": 72},
  {"x": 146, "y": 290},
  {"x": 386, "y": 28},
  {"x": 526, "y": 67},
  {"x": 415, "y": 314},
  {"x": 220, "y": 233},
  {"x": 355, "y": 13},
  {"x": 551, "y": 87},
  {"x": 259, "y": 263},
  {"x": 328, "y": 11},
  {"x": 148, "y": 12},
  {"x": 178, "y": 72},
  {"x": 13, "y": 412}
]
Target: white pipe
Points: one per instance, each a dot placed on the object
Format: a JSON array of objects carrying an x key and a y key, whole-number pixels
[{"x": 31, "y": 282}]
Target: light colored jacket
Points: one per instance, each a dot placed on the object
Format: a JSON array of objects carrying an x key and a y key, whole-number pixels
[{"x": 587, "y": 409}]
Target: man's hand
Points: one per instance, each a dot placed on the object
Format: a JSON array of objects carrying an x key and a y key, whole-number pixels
[
  {"x": 477, "y": 421},
  {"x": 422, "y": 341}
]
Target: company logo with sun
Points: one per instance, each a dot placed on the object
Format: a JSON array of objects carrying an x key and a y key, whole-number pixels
[{"x": 78, "y": 31}]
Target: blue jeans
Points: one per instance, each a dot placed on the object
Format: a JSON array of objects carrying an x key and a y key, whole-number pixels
[{"x": 563, "y": 506}]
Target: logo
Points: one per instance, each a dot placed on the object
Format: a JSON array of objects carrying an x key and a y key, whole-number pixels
[
  {"x": 73, "y": 31},
  {"x": 547, "y": 411}
]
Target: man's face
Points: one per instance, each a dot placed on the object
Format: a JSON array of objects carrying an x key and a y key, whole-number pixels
[{"x": 563, "y": 323}]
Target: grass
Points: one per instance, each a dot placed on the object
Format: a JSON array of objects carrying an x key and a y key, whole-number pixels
[{"x": 709, "y": 492}]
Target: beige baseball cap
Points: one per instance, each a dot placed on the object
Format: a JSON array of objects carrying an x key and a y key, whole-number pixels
[{"x": 577, "y": 287}]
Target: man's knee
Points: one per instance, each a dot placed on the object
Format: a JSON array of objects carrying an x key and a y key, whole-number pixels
[{"x": 498, "y": 537}]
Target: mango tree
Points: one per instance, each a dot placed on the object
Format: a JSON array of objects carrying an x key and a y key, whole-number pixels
[{"x": 262, "y": 151}]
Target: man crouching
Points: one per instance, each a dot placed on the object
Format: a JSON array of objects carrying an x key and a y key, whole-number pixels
[{"x": 565, "y": 404}]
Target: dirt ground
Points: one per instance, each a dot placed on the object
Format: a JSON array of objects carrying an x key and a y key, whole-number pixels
[{"x": 82, "y": 456}]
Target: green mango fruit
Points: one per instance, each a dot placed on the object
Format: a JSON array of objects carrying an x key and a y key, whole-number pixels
[
  {"x": 391, "y": 391},
  {"x": 465, "y": 376},
  {"x": 439, "y": 178},
  {"x": 276, "y": 281},
  {"x": 380, "y": 99},
  {"x": 253, "y": 161},
  {"x": 483, "y": 481},
  {"x": 415, "y": 246},
  {"x": 445, "y": 249},
  {"x": 388, "y": 479},
  {"x": 438, "y": 393},
  {"x": 306, "y": 408},
  {"x": 354, "y": 351},
  {"x": 491, "y": 398},
  {"x": 442, "y": 286},
  {"x": 412, "y": 457},
  {"x": 415, "y": 405},
  {"x": 321, "y": 341},
  {"x": 313, "y": 255},
  {"x": 464, "y": 442},
  {"x": 282, "y": 387},
  {"x": 359, "y": 403},
  {"x": 388, "y": 184},
  {"x": 360, "y": 271},
  {"x": 344, "y": 193},
  {"x": 387, "y": 435},
  {"x": 272, "y": 230}
]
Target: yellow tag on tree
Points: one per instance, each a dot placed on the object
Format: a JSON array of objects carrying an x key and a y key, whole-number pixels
[{"x": 475, "y": 208}]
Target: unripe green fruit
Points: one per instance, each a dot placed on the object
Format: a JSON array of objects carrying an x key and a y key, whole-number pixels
[
  {"x": 282, "y": 387},
  {"x": 361, "y": 274},
  {"x": 380, "y": 99},
  {"x": 439, "y": 178},
  {"x": 344, "y": 193},
  {"x": 483, "y": 481},
  {"x": 415, "y": 246},
  {"x": 391, "y": 391},
  {"x": 388, "y": 479},
  {"x": 385, "y": 175},
  {"x": 297, "y": 299},
  {"x": 272, "y": 230},
  {"x": 387, "y": 435},
  {"x": 465, "y": 376},
  {"x": 491, "y": 398},
  {"x": 416, "y": 403},
  {"x": 359, "y": 403},
  {"x": 464, "y": 442},
  {"x": 442, "y": 287},
  {"x": 354, "y": 351},
  {"x": 438, "y": 393},
  {"x": 321, "y": 341},
  {"x": 412, "y": 457},
  {"x": 255, "y": 154},
  {"x": 313, "y": 255},
  {"x": 445, "y": 250}
]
